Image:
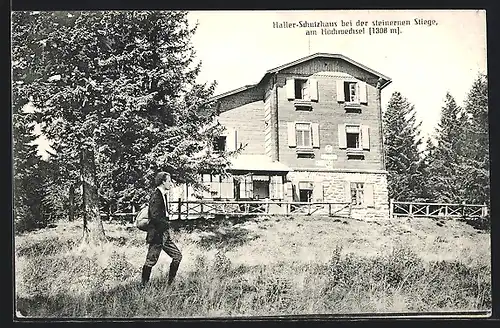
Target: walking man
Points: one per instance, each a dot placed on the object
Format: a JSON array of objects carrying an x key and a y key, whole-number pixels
[{"x": 158, "y": 236}]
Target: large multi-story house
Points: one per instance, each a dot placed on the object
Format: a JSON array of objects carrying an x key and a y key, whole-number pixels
[{"x": 311, "y": 131}]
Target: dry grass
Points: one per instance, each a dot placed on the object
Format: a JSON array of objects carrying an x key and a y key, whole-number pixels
[{"x": 264, "y": 266}]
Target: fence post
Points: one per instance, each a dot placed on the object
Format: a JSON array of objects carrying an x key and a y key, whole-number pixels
[
  {"x": 287, "y": 208},
  {"x": 410, "y": 210},
  {"x": 391, "y": 208},
  {"x": 329, "y": 209},
  {"x": 179, "y": 204},
  {"x": 133, "y": 212}
]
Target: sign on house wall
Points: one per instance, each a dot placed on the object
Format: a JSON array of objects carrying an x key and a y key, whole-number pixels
[{"x": 327, "y": 158}]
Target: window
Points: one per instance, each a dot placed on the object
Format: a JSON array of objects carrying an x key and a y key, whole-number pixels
[
  {"x": 357, "y": 193},
  {"x": 355, "y": 138},
  {"x": 303, "y": 134},
  {"x": 217, "y": 186},
  {"x": 352, "y": 137},
  {"x": 245, "y": 187},
  {"x": 351, "y": 92},
  {"x": 220, "y": 144},
  {"x": 305, "y": 191},
  {"x": 301, "y": 89}
]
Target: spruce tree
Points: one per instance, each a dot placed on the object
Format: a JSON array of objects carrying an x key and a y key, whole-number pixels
[
  {"x": 119, "y": 87},
  {"x": 27, "y": 199},
  {"x": 403, "y": 158},
  {"x": 477, "y": 159},
  {"x": 447, "y": 176}
]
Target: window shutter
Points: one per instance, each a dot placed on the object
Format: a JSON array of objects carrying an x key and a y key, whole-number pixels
[
  {"x": 365, "y": 137},
  {"x": 368, "y": 194},
  {"x": 273, "y": 191},
  {"x": 340, "y": 90},
  {"x": 362, "y": 93},
  {"x": 342, "y": 137},
  {"x": 248, "y": 186},
  {"x": 315, "y": 135},
  {"x": 317, "y": 194},
  {"x": 313, "y": 89},
  {"x": 225, "y": 187},
  {"x": 230, "y": 140},
  {"x": 292, "y": 141},
  {"x": 290, "y": 89},
  {"x": 279, "y": 187},
  {"x": 230, "y": 188},
  {"x": 242, "y": 188},
  {"x": 288, "y": 189},
  {"x": 347, "y": 190}
]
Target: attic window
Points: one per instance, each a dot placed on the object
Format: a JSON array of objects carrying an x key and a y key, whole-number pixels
[
  {"x": 301, "y": 89},
  {"x": 351, "y": 92}
]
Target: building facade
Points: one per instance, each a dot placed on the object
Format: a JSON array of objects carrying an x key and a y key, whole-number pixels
[{"x": 311, "y": 131}]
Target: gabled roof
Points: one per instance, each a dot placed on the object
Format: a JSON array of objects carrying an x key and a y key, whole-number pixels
[
  {"x": 385, "y": 79},
  {"x": 326, "y": 55}
]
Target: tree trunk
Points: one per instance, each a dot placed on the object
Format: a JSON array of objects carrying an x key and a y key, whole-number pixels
[
  {"x": 93, "y": 230},
  {"x": 71, "y": 202}
]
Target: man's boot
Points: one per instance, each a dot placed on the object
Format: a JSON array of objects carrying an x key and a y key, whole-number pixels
[
  {"x": 172, "y": 272},
  {"x": 146, "y": 272}
]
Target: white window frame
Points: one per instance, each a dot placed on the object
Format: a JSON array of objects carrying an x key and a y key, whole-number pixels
[
  {"x": 360, "y": 145},
  {"x": 304, "y": 90},
  {"x": 357, "y": 193},
  {"x": 352, "y": 88},
  {"x": 299, "y": 145}
]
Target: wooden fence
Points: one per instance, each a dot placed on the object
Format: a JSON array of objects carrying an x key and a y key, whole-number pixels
[
  {"x": 415, "y": 209},
  {"x": 181, "y": 210}
]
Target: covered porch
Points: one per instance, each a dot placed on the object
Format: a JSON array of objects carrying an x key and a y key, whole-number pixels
[{"x": 251, "y": 177}]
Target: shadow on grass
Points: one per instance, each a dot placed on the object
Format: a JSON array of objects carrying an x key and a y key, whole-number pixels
[
  {"x": 219, "y": 232},
  {"x": 480, "y": 224}
]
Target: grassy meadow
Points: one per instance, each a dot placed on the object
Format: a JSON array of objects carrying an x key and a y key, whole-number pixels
[{"x": 258, "y": 267}]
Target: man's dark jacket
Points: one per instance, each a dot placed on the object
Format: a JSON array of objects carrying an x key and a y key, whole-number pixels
[{"x": 158, "y": 218}]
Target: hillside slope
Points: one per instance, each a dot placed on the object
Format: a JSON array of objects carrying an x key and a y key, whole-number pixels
[{"x": 243, "y": 267}]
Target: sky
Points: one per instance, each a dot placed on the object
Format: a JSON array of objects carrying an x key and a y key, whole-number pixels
[{"x": 424, "y": 62}]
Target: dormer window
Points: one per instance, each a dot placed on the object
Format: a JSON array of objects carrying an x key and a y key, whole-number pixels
[
  {"x": 352, "y": 93},
  {"x": 301, "y": 89}
]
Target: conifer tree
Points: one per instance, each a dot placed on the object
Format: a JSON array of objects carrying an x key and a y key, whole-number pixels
[
  {"x": 446, "y": 177},
  {"x": 477, "y": 160},
  {"x": 117, "y": 92},
  {"x": 403, "y": 158},
  {"x": 27, "y": 200}
]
